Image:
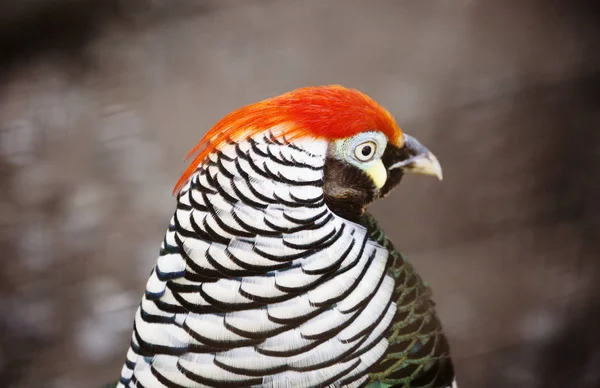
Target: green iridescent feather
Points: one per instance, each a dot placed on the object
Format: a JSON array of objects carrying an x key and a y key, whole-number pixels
[{"x": 418, "y": 355}]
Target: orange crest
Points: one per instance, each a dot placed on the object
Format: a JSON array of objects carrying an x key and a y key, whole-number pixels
[{"x": 323, "y": 112}]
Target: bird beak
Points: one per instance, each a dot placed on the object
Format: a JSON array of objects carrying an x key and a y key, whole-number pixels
[{"x": 420, "y": 160}]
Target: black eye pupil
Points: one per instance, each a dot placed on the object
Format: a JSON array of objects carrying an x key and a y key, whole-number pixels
[{"x": 366, "y": 151}]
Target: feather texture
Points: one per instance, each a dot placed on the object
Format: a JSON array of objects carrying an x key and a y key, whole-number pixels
[
  {"x": 318, "y": 112},
  {"x": 259, "y": 284},
  {"x": 418, "y": 355}
]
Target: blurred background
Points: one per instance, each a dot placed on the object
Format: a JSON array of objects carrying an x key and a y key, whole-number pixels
[{"x": 100, "y": 100}]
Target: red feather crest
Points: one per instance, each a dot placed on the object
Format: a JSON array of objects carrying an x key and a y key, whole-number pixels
[{"x": 323, "y": 112}]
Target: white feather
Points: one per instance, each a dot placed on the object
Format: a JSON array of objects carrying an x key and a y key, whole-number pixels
[
  {"x": 168, "y": 297},
  {"x": 228, "y": 150},
  {"x": 220, "y": 256},
  {"x": 274, "y": 246},
  {"x": 315, "y": 160},
  {"x": 277, "y": 218},
  {"x": 166, "y": 366},
  {"x": 327, "y": 320},
  {"x": 295, "y": 278},
  {"x": 197, "y": 197},
  {"x": 226, "y": 291},
  {"x": 336, "y": 286},
  {"x": 303, "y": 213},
  {"x": 229, "y": 166},
  {"x": 202, "y": 181},
  {"x": 287, "y": 341},
  {"x": 161, "y": 334},
  {"x": 251, "y": 216},
  {"x": 375, "y": 334},
  {"x": 145, "y": 377},
  {"x": 150, "y": 307},
  {"x": 211, "y": 326},
  {"x": 155, "y": 285},
  {"x": 366, "y": 360},
  {"x": 220, "y": 204},
  {"x": 320, "y": 260},
  {"x": 196, "y": 250},
  {"x": 192, "y": 298},
  {"x": 184, "y": 197},
  {"x": 367, "y": 284},
  {"x": 203, "y": 365},
  {"x": 374, "y": 308},
  {"x": 309, "y": 237},
  {"x": 261, "y": 286},
  {"x": 307, "y": 193},
  {"x": 170, "y": 236},
  {"x": 171, "y": 263},
  {"x": 247, "y": 358},
  {"x": 214, "y": 225},
  {"x": 251, "y": 321},
  {"x": 322, "y": 353},
  {"x": 261, "y": 185},
  {"x": 296, "y": 174},
  {"x": 245, "y": 191},
  {"x": 242, "y": 249},
  {"x": 254, "y": 170},
  {"x": 292, "y": 308},
  {"x": 305, "y": 379}
]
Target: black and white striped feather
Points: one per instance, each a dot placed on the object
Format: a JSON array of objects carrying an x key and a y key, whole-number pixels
[{"x": 258, "y": 283}]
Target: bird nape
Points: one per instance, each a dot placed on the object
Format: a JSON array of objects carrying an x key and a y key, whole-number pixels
[{"x": 272, "y": 273}]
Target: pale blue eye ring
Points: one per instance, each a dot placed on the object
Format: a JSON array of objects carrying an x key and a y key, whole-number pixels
[{"x": 365, "y": 151}]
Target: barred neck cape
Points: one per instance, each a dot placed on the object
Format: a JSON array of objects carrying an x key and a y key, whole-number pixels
[{"x": 259, "y": 284}]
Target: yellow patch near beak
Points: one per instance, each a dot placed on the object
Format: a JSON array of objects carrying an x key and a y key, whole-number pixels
[{"x": 378, "y": 174}]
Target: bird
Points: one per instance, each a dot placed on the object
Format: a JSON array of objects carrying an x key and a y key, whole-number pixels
[{"x": 272, "y": 273}]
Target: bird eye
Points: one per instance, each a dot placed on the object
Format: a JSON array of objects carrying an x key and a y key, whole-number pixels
[{"x": 365, "y": 151}]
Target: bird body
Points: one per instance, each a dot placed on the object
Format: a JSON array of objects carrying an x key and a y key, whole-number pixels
[{"x": 272, "y": 274}]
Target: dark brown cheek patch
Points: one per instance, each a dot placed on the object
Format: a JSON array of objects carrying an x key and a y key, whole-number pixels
[
  {"x": 394, "y": 178},
  {"x": 391, "y": 156},
  {"x": 347, "y": 189}
]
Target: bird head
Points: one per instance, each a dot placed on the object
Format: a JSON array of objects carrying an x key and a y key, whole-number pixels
[{"x": 365, "y": 152}]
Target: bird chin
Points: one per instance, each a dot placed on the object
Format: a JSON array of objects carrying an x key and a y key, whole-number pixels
[{"x": 394, "y": 178}]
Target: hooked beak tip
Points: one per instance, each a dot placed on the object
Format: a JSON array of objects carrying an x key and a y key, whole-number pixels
[
  {"x": 422, "y": 160},
  {"x": 426, "y": 164}
]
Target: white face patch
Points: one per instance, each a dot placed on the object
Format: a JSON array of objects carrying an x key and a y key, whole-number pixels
[{"x": 364, "y": 151}]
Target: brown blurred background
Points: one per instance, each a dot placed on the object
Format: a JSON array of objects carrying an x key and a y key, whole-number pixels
[{"x": 100, "y": 100}]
